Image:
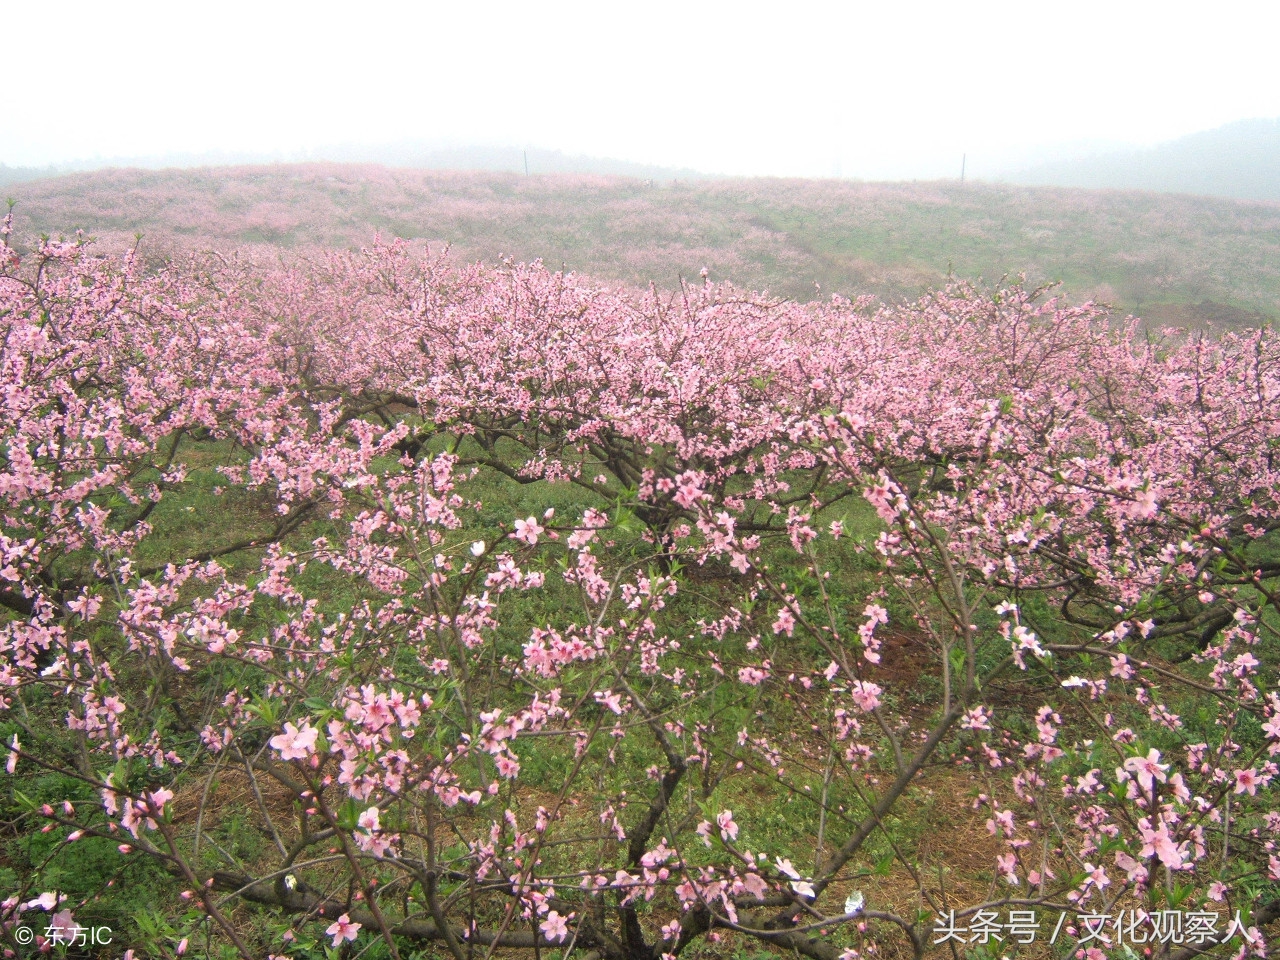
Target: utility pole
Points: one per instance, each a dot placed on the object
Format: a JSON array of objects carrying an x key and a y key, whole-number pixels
[
  {"x": 526, "y": 163},
  {"x": 963, "y": 158}
]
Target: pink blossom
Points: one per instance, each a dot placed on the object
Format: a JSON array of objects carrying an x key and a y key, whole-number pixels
[
  {"x": 527, "y": 530},
  {"x": 46, "y": 901},
  {"x": 1247, "y": 781},
  {"x": 295, "y": 743},
  {"x": 1158, "y": 842},
  {"x": 785, "y": 623},
  {"x": 1007, "y": 864},
  {"x": 609, "y": 699},
  {"x": 342, "y": 929},
  {"x": 369, "y": 820},
  {"x": 555, "y": 928},
  {"x": 1148, "y": 769},
  {"x": 866, "y": 694},
  {"x": 1134, "y": 870},
  {"x": 64, "y": 923}
]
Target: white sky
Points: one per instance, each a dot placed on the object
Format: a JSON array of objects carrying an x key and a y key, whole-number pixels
[{"x": 881, "y": 89}]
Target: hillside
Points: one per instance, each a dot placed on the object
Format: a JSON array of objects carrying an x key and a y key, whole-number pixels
[
  {"x": 1173, "y": 257},
  {"x": 1240, "y": 160}
]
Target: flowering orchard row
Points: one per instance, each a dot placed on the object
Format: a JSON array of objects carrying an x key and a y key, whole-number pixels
[{"x": 266, "y": 530}]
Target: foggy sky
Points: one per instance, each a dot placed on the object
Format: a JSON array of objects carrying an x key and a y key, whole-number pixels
[{"x": 813, "y": 89}]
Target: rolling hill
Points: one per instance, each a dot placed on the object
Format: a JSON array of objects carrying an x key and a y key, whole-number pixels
[
  {"x": 1170, "y": 258},
  {"x": 1240, "y": 160}
]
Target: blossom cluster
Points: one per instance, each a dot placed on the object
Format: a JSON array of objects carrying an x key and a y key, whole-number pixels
[{"x": 291, "y": 526}]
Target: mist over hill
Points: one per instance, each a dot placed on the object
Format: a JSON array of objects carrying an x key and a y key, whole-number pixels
[
  {"x": 532, "y": 161},
  {"x": 1239, "y": 160},
  {"x": 418, "y": 155},
  {"x": 1171, "y": 258}
]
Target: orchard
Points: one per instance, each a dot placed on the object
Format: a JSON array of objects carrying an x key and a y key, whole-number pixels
[{"x": 373, "y": 605}]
